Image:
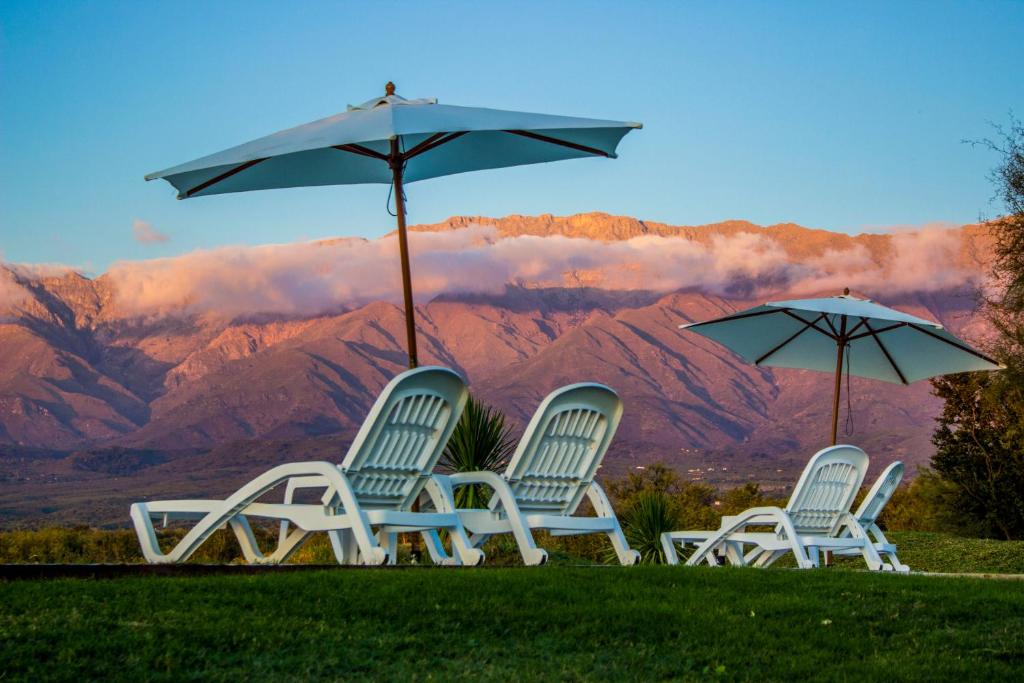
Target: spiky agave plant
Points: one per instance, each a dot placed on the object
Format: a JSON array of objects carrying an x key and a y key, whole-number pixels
[
  {"x": 645, "y": 519},
  {"x": 482, "y": 441}
]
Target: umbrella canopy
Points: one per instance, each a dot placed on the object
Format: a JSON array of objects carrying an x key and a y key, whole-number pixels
[
  {"x": 434, "y": 140},
  {"x": 393, "y": 140},
  {"x": 822, "y": 334}
]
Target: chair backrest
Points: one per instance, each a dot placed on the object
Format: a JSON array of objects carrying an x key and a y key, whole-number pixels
[
  {"x": 562, "y": 447},
  {"x": 873, "y": 504},
  {"x": 402, "y": 438},
  {"x": 826, "y": 489}
]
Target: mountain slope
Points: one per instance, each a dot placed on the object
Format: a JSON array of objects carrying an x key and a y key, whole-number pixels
[{"x": 90, "y": 394}]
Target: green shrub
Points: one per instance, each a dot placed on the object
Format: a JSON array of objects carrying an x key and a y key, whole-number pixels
[
  {"x": 650, "y": 514},
  {"x": 482, "y": 442}
]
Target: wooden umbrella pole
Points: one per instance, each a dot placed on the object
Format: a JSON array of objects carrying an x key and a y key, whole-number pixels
[
  {"x": 841, "y": 347},
  {"x": 835, "y": 397},
  {"x": 396, "y": 161}
]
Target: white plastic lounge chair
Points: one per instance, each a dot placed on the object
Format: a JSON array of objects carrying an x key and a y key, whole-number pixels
[
  {"x": 810, "y": 522},
  {"x": 869, "y": 511},
  {"x": 366, "y": 500},
  {"x": 551, "y": 471}
]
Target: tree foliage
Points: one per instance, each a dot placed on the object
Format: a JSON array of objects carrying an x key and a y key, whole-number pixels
[
  {"x": 656, "y": 499},
  {"x": 980, "y": 436}
]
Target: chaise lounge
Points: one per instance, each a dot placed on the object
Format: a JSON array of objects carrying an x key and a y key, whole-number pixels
[
  {"x": 818, "y": 510},
  {"x": 364, "y": 502},
  {"x": 548, "y": 476}
]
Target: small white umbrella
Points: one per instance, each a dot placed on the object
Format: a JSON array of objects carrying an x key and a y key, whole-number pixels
[
  {"x": 818, "y": 334},
  {"x": 394, "y": 141}
]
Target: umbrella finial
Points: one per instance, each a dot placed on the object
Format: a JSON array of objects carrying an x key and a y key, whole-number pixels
[
  {"x": 389, "y": 89},
  {"x": 846, "y": 291}
]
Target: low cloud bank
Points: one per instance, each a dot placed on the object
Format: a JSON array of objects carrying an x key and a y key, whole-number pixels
[
  {"x": 12, "y": 293},
  {"x": 311, "y": 278}
]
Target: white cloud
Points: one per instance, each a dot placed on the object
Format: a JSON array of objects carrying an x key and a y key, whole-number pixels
[
  {"x": 310, "y": 278},
  {"x": 145, "y": 233}
]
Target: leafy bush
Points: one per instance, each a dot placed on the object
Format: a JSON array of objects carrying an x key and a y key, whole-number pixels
[
  {"x": 650, "y": 514},
  {"x": 482, "y": 442}
]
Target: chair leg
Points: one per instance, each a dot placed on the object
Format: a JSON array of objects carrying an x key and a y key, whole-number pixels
[
  {"x": 435, "y": 548},
  {"x": 287, "y": 546},
  {"x": 867, "y": 550},
  {"x": 147, "y": 535},
  {"x": 531, "y": 554},
  {"x": 463, "y": 550},
  {"x": 478, "y": 540},
  {"x": 734, "y": 554},
  {"x": 896, "y": 564},
  {"x": 886, "y": 549},
  {"x": 669, "y": 548},
  {"x": 871, "y": 558},
  {"x": 339, "y": 541},
  {"x": 603, "y": 507},
  {"x": 247, "y": 541},
  {"x": 184, "y": 549},
  {"x": 627, "y": 556},
  {"x": 389, "y": 542}
]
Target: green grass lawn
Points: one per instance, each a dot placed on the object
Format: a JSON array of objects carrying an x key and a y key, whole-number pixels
[
  {"x": 934, "y": 552},
  {"x": 551, "y": 623}
]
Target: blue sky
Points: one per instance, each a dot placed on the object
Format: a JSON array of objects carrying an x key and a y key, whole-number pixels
[{"x": 847, "y": 116}]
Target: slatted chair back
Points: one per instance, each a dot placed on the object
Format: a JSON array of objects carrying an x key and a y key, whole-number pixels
[
  {"x": 826, "y": 489},
  {"x": 562, "y": 447},
  {"x": 879, "y": 495},
  {"x": 403, "y": 436}
]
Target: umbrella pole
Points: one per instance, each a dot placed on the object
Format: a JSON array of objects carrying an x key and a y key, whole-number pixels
[
  {"x": 395, "y": 161},
  {"x": 835, "y": 397},
  {"x": 841, "y": 347}
]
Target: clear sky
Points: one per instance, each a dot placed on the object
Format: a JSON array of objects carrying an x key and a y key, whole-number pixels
[{"x": 847, "y": 116}]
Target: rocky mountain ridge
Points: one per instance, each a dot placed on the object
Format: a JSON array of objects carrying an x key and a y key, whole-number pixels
[{"x": 77, "y": 375}]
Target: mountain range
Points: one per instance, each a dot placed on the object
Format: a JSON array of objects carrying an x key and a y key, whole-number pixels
[{"x": 103, "y": 400}]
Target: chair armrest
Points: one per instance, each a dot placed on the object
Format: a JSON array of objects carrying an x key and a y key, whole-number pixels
[
  {"x": 492, "y": 479},
  {"x": 599, "y": 499},
  {"x": 497, "y": 482}
]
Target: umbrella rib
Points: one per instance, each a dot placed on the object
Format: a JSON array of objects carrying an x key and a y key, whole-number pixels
[
  {"x": 223, "y": 176},
  {"x": 862, "y": 323},
  {"x": 730, "y": 318},
  {"x": 813, "y": 323},
  {"x": 556, "y": 141},
  {"x": 794, "y": 336},
  {"x": 435, "y": 140},
  {"x": 878, "y": 331},
  {"x": 874, "y": 335},
  {"x": 954, "y": 344},
  {"x": 363, "y": 151},
  {"x": 835, "y": 332}
]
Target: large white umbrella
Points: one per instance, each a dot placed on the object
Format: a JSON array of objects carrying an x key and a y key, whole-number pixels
[
  {"x": 820, "y": 334},
  {"x": 394, "y": 141}
]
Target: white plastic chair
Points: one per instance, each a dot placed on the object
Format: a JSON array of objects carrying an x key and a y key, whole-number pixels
[
  {"x": 810, "y": 522},
  {"x": 871, "y": 508},
  {"x": 365, "y": 501},
  {"x": 551, "y": 471}
]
